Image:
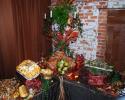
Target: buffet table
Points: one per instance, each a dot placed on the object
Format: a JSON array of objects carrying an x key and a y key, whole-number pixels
[{"x": 76, "y": 91}]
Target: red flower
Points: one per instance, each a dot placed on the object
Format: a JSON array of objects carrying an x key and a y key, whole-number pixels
[
  {"x": 59, "y": 36},
  {"x": 79, "y": 61},
  {"x": 72, "y": 36}
]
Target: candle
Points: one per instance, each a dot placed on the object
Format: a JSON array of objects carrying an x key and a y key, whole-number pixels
[
  {"x": 51, "y": 14},
  {"x": 75, "y": 15},
  {"x": 45, "y": 16}
]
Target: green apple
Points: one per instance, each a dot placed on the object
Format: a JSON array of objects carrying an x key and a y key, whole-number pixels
[
  {"x": 63, "y": 72},
  {"x": 59, "y": 65},
  {"x": 59, "y": 69},
  {"x": 66, "y": 64},
  {"x": 65, "y": 68},
  {"x": 62, "y": 61}
]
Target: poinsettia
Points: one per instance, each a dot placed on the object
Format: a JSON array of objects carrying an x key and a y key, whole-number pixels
[
  {"x": 62, "y": 40},
  {"x": 60, "y": 36},
  {"x": 71, "y": 37},
  {"x": 79, "y": 61}
]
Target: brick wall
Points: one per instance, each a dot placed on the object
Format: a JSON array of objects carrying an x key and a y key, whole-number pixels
[
  {"x": 93, "y": 15},
  {"x": 102, "y": 31},
  {"x": 94, "y": 18}
]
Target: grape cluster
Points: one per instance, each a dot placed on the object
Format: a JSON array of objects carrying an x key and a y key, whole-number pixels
[{"x": 34, "y": 84}]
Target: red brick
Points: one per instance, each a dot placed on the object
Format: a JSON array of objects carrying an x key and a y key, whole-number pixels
[
  {"x": 90, "y": 49},
  {"x": 81, "y": 15},
  {"x": 100, "y": 53},
  {"x": 93, "y": 17},
  {"x": 90, "y": 20},
  {"x": 101, "y": 46},
  {"x": 100, "y": 56},
  {"x": 104, "y": 26},
  {"x": 102, "y": 17},
  {"x": 99, "y": 6},
  {"x": 87, "y": 7},
  {"x": 89, "y": 14},
  {"x": 89, "y": 0},
  {"x": 103, "y": 3},
  {"x": 101, "y": 30},
  {"x": 102, "y": 22},
  {"x": 103, "y": 12},
  {"x": 101, "y": 40},
  {"x": 101, "y": 37}
]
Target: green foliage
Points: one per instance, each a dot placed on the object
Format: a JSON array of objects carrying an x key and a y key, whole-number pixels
[
  {"x": 68, "y": 51},
  {"x": 115, "y": 77},
  {"x": 60, "y": 15},
  {"x": 77, "y": 24},
  {"x": 60, "y": 45},
  {"x": 45, "y": 88},
  {"x": 99, "y": 67},
  {"x": 47, "y": 26},
  {"x": 63, "y": 47}
]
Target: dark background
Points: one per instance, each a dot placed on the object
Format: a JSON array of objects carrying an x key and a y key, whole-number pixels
[
  {"x": 115, "y": 51},
  {"x": 21, "y": 34}
]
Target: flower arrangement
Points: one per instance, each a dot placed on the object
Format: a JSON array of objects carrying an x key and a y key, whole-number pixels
[
  {"x": 65, "y": 26},
  {"x": 62, "y": 65}
]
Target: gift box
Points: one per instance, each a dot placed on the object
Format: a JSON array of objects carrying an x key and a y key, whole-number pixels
[
  {"x": 72, "y": 75},
  {"x": 97, "y": 80}
]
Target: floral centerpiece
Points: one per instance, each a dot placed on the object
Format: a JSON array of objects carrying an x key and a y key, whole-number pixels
[{"x": 65, "y": 26}]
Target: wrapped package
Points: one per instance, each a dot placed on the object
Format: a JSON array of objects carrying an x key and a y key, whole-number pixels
[{"x": 28, "y": 69}]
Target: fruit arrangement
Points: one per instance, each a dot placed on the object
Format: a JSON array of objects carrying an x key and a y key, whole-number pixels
[
  {"x": 60, "y": 63},
  {"x": 62, "y": 66}
]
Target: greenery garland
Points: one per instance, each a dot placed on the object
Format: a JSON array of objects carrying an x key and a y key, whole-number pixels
[{"x": 60, "y": 17}]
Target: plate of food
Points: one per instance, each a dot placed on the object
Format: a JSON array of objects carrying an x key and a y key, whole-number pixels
[{"x": 28, "y": 69}]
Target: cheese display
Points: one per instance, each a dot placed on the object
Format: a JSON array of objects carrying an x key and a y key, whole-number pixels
[{"x": 28, "y": 69}]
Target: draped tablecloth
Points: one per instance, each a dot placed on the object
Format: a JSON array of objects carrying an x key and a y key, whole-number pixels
[{"x": 75, "y": 91}]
